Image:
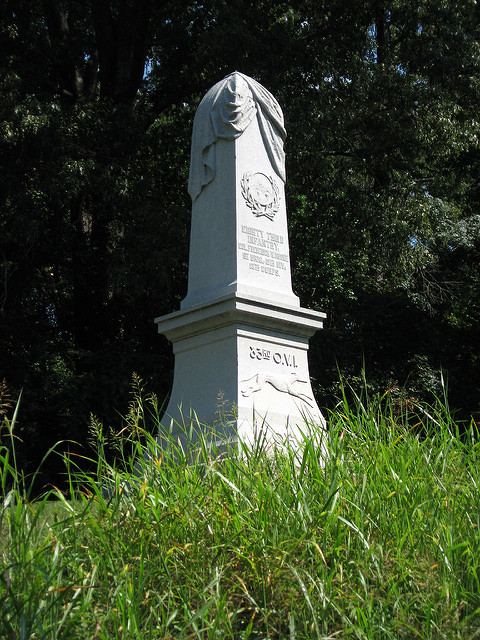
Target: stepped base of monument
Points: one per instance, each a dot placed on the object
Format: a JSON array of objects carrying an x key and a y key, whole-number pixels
[
  {"x": 241, "y": 372},
  {"x": 187, "y": 434}
]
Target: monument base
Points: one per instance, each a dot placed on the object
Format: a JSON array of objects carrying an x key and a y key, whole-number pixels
[{"x": 241, "y": 372}]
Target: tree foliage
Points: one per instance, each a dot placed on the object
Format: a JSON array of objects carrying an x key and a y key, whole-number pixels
[{"x": 380, "y": 100}]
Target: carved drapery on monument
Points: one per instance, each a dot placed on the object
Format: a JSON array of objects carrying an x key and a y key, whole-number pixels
[
  {"x": 225, "y": 112},
  {"x": 241, "y": 334}
]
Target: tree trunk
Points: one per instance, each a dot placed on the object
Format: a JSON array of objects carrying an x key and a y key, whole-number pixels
[{"x": 121, "y": 46}]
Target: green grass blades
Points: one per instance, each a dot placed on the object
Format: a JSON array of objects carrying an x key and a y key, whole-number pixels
[{"x": 380, "y": 540}]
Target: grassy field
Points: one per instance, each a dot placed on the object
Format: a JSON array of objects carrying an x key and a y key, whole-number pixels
[{"x": 380, "y": 540}]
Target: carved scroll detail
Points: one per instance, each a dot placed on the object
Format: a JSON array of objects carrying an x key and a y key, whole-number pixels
[{"x": 283, "y": 384}]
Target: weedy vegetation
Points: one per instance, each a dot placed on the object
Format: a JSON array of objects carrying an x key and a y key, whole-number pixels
[{"x": 379, "y": 540}]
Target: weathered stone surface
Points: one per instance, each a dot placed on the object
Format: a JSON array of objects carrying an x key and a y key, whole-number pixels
[
  {"x": 240, "y": 338},
  {"x": 239, "y": 240}
]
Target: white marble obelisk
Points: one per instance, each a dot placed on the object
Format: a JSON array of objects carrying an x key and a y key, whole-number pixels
[{"x": 240, "y": 338}]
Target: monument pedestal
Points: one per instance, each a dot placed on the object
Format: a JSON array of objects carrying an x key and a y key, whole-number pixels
[
  {"x": 241, "y": 368},
  {"x": 240, "y": 338}
]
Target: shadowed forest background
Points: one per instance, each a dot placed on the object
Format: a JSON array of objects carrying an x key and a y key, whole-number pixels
[{"x": 97, "y": 101}]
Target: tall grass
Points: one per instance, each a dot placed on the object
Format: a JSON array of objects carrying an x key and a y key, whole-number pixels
[{"x": 379, "y": 540}]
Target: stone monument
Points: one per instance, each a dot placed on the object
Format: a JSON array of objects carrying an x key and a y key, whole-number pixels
[{"x": 240, "y": 338}]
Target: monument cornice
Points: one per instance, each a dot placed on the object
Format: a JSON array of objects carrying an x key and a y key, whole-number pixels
[{"x": 237, "y": 310}]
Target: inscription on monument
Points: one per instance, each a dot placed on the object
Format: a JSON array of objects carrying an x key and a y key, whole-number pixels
[
  {"x": 263, "y": 250},
  {"x": 278, "y": 357}
]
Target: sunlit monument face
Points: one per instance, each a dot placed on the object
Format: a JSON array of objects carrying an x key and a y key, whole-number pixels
[{"x": 241, "y": 334}]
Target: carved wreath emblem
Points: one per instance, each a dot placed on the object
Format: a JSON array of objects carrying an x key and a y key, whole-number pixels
[{"x": 261, "y": 194}]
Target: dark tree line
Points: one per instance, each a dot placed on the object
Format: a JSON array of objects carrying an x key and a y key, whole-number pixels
[{"x": 97, "y": 102}]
